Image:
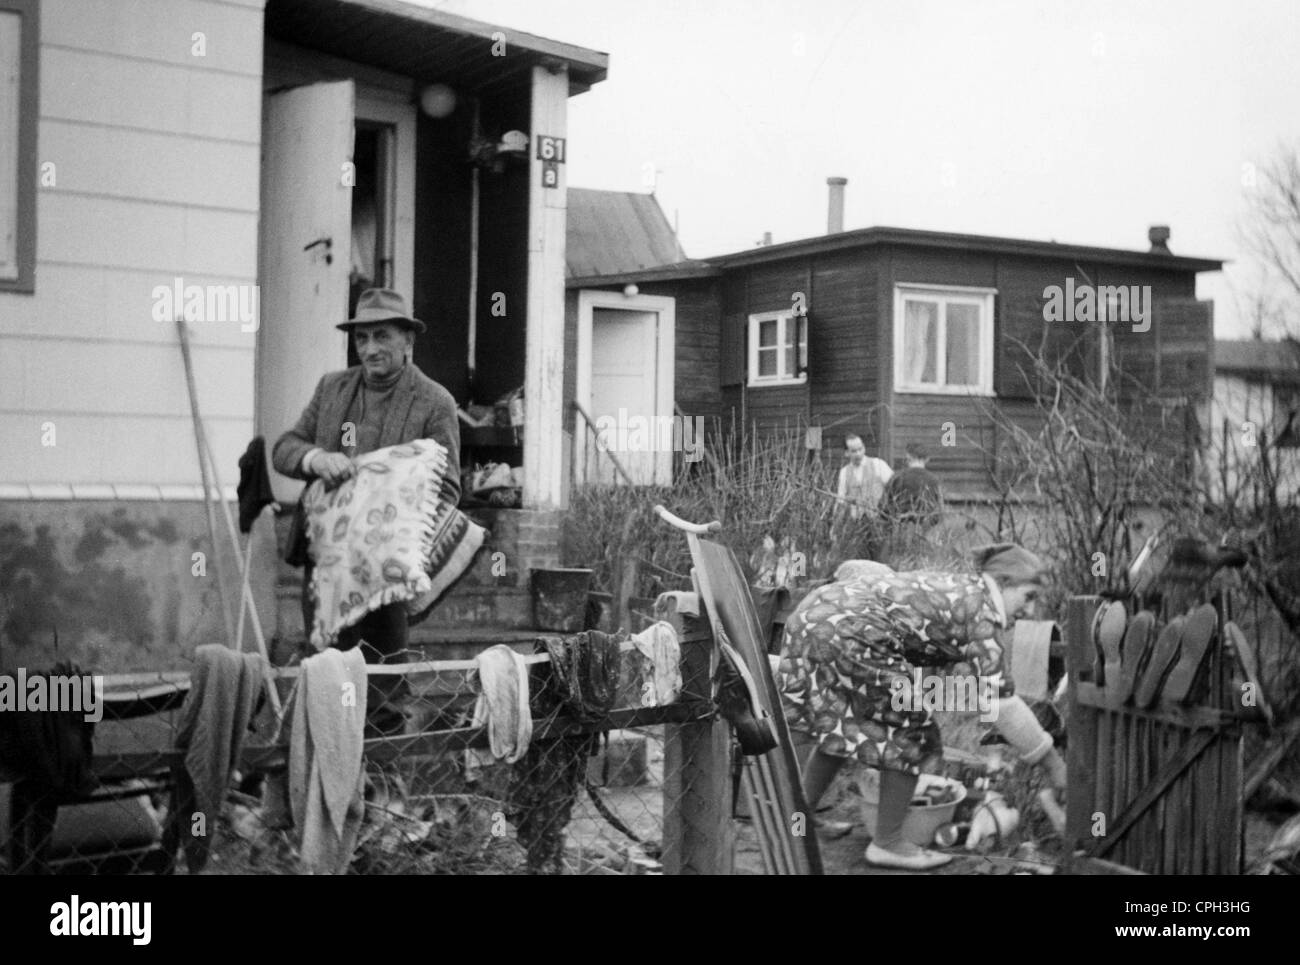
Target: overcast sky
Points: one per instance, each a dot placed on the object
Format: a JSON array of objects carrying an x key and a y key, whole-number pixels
[{"x": 1082, "y": 121}]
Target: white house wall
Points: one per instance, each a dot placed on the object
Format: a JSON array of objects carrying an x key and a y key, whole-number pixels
[
  {"x": 155, "y": 160},
  {"x": 1239, "y": 401}
]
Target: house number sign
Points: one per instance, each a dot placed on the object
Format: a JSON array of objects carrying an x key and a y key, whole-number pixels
[{"x": 550, "y": 151}]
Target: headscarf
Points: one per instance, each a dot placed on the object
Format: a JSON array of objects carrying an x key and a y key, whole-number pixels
[{"x": 1010, "y": 564}]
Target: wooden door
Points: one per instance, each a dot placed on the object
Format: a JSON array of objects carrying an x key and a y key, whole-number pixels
[
  {"x": 305, "y": 244},
  {"x": 624, "y": 375}
]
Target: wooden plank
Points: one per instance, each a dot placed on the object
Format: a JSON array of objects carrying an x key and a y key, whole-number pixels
[
  {"x": 119, "y": 766},
  {"x": 1146, "y": 830},
  {"x": 1199, "y": 789},
  {"x": 1081, "y": 753},
  {"x": 698, "y": 833},
  {"x": 1234, "y": 825},
  {"x": 733, "y": 607},
  {"x": 1164, "y": 779},
  {"x": 1213, "y": 810},
  {"x": 1191, "y": 717}
]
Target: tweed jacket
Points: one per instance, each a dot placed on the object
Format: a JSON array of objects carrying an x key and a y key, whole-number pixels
[{"x": 420, "y": 408}]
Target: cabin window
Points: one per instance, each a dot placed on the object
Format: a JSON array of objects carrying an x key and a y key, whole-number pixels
[
  {"x": 943, "y": 340},
  {"x": 18, "y": 86},
  {"x": 778, "y": 349}
]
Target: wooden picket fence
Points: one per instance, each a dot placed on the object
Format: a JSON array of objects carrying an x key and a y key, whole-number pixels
[{"x": 1156, "y": 790}]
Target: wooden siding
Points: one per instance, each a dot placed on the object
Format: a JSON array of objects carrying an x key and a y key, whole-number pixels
[
  {"x": 156, "y": 155},
  {"x": 697, "y": 345},
  {"x": 844, "y": 347},
  {"x": 924, "y": 419}
]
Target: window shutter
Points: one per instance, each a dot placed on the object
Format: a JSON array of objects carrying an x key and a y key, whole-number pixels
[
  {"x": 735, "y": 351},
  {"x": 1017, "y": 331}
]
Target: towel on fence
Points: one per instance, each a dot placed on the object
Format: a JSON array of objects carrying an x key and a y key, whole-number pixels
[
  {"x": 503, "y": 702},
  {"x": 389, "y": 534},
  {"x": 326, "y": 749},
  {"x": 661, "y": 664},
  {"x": 224, "y": 688}
]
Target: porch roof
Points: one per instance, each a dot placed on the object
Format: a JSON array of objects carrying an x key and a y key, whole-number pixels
[{"x": 427, "y": 44}]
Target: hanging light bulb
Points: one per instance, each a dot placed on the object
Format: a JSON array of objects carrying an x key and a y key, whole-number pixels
[{"x": 437, "y": 100}]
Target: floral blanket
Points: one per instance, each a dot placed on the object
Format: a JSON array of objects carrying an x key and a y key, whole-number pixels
[{"x": 389, "y": 534}]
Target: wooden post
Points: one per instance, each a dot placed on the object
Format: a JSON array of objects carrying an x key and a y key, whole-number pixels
[
  {"x": 1081, "y": 758},
  {"x": 698, "y": 834},
  {"x": 544, "y": 413}
]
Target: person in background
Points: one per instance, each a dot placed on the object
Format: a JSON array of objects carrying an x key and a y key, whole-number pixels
[
  {"x": 913, "y": 495},
  {"x": 861, "y": 482}
]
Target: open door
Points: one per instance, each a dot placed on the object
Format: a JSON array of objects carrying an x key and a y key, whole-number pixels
[{"x": 304, "y": 253}]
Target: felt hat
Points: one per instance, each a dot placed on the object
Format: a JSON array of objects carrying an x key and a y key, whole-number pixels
[
  {"x": 382, "y": 305},
  {"x": 1009, "y": 564}
]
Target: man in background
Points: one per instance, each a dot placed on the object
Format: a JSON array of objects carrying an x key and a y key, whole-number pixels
[
  {"x": 861, "y": 482},
  {"x": 913, "y": 495}
]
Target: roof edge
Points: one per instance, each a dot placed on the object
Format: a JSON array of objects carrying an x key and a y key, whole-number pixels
[
  {"x": 681, "y": 271},
  {"x": 876, "y": 235}
]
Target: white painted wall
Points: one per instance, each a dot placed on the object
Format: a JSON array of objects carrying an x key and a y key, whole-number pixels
[
  {"x": 1240, "y": 401},
  {"x": 156, "y": 155}
]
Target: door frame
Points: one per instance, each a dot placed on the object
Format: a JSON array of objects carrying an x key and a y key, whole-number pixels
[
  {"x": 400, "y": 181},
  {"x": 665, "y": 307}
]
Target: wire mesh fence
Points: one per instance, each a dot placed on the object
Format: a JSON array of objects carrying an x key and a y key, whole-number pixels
[{"x": 612, "y": 780}]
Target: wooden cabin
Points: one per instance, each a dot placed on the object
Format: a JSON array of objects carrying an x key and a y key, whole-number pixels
[{"x": 842, "y": 333}]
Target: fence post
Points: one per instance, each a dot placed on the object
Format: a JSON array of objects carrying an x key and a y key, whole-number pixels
[
  {"x": 1081, "y": 755},
  {"x": 698, "y": 834}
]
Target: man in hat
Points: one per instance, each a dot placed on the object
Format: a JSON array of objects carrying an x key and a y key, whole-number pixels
[{"x": 384, "y": 401}]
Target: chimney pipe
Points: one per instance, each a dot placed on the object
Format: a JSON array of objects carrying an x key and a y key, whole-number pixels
[
  {"x": 1158, "y": 235},
  {"x": 835, "y": 206}
]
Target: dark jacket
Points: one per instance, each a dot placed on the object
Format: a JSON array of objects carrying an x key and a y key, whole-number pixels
[{"x": 420, "y": 408}]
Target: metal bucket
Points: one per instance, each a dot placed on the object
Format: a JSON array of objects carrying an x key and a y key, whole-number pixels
[{"x": 560, "y": 599}]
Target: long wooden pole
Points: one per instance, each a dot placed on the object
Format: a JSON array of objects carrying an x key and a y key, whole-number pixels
[
  {"x": 208, "y": 464},
  {"x": 222, "y": 589}
]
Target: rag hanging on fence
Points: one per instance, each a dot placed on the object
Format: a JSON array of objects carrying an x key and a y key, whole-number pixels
[
  {"x": 503, "y": 702},
  {"x": 389, "y": 534},
  {"x": 223, "y": 695},
  {"x": 326, "y": 747},
  {"x": 661, "y": 662},
  {"x": 582, "y": 679}
]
